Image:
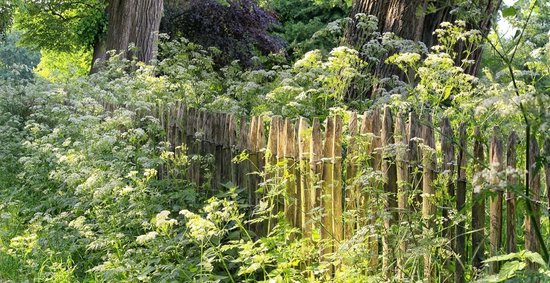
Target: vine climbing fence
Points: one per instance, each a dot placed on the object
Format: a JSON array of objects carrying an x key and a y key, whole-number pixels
[{"x": 324, "y": 168}]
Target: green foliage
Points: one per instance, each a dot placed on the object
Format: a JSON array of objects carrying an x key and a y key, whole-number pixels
[
  {"x": 514, "y": 268},
  {"x": 81, "y": 201},
  {"x": 58, "y": 66},
  {"x": 16, "y": 62},
  {"x": 6, "y": 14},
  {"x": 310, "y": 88},
  {"x": 61, "y": 25},
  {"x": 302, "y": 19}
]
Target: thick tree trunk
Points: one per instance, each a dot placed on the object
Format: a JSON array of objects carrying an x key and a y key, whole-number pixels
[
  {"x": 410, "y": 20},
  {"x": 132, "y": 22},
  {"x": 146, "y": 28}
]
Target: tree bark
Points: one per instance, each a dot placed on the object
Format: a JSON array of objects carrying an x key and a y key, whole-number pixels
[
  {"x": 131, "y": 22},
  {"x": 409, "y": 19}
]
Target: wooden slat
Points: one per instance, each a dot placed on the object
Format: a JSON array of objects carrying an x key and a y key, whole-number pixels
[
  {"x": 304, "y": 143},
  {"x": 252, "y": 149},
  {"x": 531, "y": 241},
  {"x": 513, "y": 182},
  {"x": 232, "y": 135},
  {"x": 337, "y": 195},
  {"x": 415, "y": 157},
  {"x": 448, "y": 166},
  {"x": 366, "y": 148},
  {"x": 260, "y": 151},
  {"x": 496, "y": 154},
  {"x": 243, "y": 167},
  {"x": 326, "y": 192},
  {"x": 289, "y": 155},
  {"x": 218, "y": 150},
  {"x": 316, "y": 149},
  {"x": 270, "y": 161},
  {"x": 375, "y": 149},
  {"x": 428, "y": 189},
  {"x": 352, "y": 190},
  {"x": 460, "y": 244},
  {"x": 403, "y": 186},
  {"x": 390, "y": 189},
  {"x": 478, "y": 207}
]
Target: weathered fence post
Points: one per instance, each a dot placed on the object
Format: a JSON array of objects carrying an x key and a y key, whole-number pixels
[
  {"x": 304, "y": 143},
  {"x": 251, "y": 146},
  {"x": 415, "y": 157},
  {"x": 271, "y": 160},
  {"x": 403, "y": 185},
  {"x": 478, "y": 208},
  {"x": 326, "y": 192},
  {"x": 531, "y": 240},
  {"x": 243, "y": 166},
  {"x": 448, "y": 174},
  {"x": 293, "y": 201},
  {"x": 351, "y": 193},
  {"x": 428, "y": 190},
  {"x": 316, "y": 165},
  {"x": 337, "y": 181},
  {"x": 390, "y": 191},
  {"x": 495, "y": 203},
  {"x": 232, "y": 152},
  {"x": 366, "y": 128},
  {"x": 376, "y": 152},
  {"x": 218, "y": 150},
  {"x": 448, "y": 166},
  {"x": 256, "y": 144},
  {"x": 511, "y": 160},
  {"x": 460, "y": 244}
]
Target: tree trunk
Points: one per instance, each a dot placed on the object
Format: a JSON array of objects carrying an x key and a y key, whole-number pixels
[
  {"x": 132, "y": 22},
  {"x": 409, "y": 19}
]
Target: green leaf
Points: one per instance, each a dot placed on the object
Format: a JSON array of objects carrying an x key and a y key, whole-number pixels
[
  {"x": 509, "y": 269},
  {"x": 503, "y": 257},
  {"x": 509, "y": 12},
  {"x": 447, "y": 92},
  {"x": 534, "y": 257}
]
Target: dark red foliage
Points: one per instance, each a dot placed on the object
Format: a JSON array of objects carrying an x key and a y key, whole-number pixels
[{"x": 240, "y": 29}]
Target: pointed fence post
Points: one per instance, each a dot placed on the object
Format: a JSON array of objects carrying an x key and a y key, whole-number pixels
[
  {"x": 460, "y": 244},
  {"x": 337, "y": 181},
  {"x": 403, "y": 186},
  {"x": 415, "y": 157},
  {"x": 243, "y": 166},
  {"x": 390, "y": 192},
  {"x": 326, "y": 192},
  {"x": 366, "y": 148},
  {"x": 513, "y": 183},
  {"x": 495, "y": 202},
  {"x": 376, "y": 150},
  {"x": 351, "y": 192},
  {"x": 292, "y": 200},
  {"x": 316, "y": 166},
  {"x": 304, "y": 143},
  {"x": 531, "y": 240},
  {"x": 448, "y": 149},
  {"x": 252, "y": 144},
  {"x": 271, "y": 162},
  {"x": 478, "y": 207},
  {"x": 428, "y": 190}
]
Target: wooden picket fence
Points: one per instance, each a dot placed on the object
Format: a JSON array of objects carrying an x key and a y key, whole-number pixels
[{"x": 324, "y": 160}]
